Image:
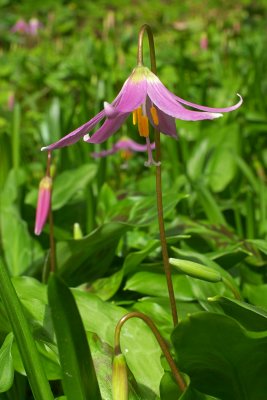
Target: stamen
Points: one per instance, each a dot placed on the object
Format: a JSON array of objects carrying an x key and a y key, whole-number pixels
[
  {"x": 150, "y": 160},
  {"x": 154, "y": 115},
  {"x": 143, "y": 126},
  {"x": 134, "y": 117}
]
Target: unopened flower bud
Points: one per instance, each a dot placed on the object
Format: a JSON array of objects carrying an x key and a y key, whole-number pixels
[
  {"x": 196, "y": 270},
  {"x": 43, "y": 204},
  {"x": 77, "y": 232},
  {"x": 119, "y": 378}
]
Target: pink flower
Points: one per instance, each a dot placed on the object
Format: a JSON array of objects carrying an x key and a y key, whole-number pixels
[
  {"x": 26, "y": 28},
  {"x": 43, "y": 204},
  {"x": 204, "y": 42},
  {"x": 33, "y": 26},
  {"x": 144, "y": 95},
  {"x": 20, "y": 26},
  {"x": 125, "y": 144}
]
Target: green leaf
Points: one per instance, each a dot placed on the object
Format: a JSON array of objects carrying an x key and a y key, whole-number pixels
[
  {"x": 78, "y": 374},
  {"x": 221, "y": 167},
  {"x": 137, "y": 341},
  {"x": 84, "y": 260},
  {"x": 210, "y": 205},
  {"x": 66, "y": 186},
  {"x": 256, "y": 294},
  {"x": 20, "y": 249},
  {"x": 251, "y": 317},
  {"x": 133, "y": 259},
  {"x": 6, "y": 364},
  {"x": 24, "y": 339},
  {"x": 150, "y": 283},
  {"x": 170, "y": 391},
  {"x": 144, "y": 210},
  {"x": 105, "y": 288},
  {"x": 221, "y": 357}
]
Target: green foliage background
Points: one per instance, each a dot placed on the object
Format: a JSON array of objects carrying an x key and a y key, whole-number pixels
[{"x": 214, "y": 184}]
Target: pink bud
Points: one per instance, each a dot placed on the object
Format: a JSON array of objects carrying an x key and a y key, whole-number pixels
[{"x": 43, "y": 204}]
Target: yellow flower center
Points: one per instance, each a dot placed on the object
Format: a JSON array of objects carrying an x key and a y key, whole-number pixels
[{"x": 142, "y": 121}]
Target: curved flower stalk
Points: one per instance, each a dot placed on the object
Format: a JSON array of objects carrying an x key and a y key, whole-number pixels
[
  {"x": 145, "y": 96},
  {"x": 119, "y": 374}
]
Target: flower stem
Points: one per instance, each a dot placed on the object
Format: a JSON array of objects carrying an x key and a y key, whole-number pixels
[
  {"x": 117, "y": 349},
  {"x": 165, "y": 256},
  {"x": 51, "y": 221}
]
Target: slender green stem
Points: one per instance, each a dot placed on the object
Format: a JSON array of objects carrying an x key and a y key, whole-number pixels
[
  {"x": 29, "y": 354},
  {"x": 178, "y": 377},
  {"x": 51, "y": 221},
  {"x": 165, "y": 256}
]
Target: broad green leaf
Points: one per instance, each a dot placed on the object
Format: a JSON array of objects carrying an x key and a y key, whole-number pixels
[
  {"x": 6, "y": 364},
  {"x": 210, "y": 205},
  {"x": 170, "y": 391},
  {"x": 221, "y": 167},
  {"x": 196, "y": 162},
  {"x": 158, "y": 309},
  {"x": 66, "y": 186},
  {"x": 105, "y": 288},
  {"x": 256, "y": 294},
  {"x": 100, "y": 318},
  {"x": 150, "y": 283},
  {"x": 137, "y": 341},
  {"x": 251, "y": 317},
  {"x": 24, "y": 338},
  {"x": 215, "y": 351},
  {"x": 144, "y": 210},
  {"x": 134, "y": 259},
  {"x": 20, "y": 250},
  {"x": 103, "y": 355},
  {"x": 78, "y": 374},
  {"x": 86, "y": 259}
]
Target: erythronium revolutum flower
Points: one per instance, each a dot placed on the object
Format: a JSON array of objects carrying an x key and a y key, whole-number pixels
[
  {"x": 144, "y": 95},
  {"x": 125, "y": 144}
]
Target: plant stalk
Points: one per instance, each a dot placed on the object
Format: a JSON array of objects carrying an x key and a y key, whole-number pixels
[{"x": 165, "y": 256}]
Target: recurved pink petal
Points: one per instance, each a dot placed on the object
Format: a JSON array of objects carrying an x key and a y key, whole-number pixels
[
  {"x": 110, "y": 126},
  {"x": 166, "y": 122},
  {"x": 75, "y": 135},
  {"x": 129, "y": 144},
  {"x": 211, "y": 109},
  {"x": 104, "y": 153},
  {"x": 166, "y": 102}
]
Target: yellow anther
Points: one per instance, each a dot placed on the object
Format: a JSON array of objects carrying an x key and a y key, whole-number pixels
[
  {"x": 143, "y": 127},
  {"x": 154, "y": 115},
  {"x": 134, "y": 117},
  {"x": 139, "y": 113}
]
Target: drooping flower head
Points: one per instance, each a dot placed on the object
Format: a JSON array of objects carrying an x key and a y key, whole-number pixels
[
  {"x": 126, "y": 146},
  {"x": 143, "y": 95}
]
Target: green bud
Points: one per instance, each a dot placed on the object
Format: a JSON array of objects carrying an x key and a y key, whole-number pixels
[
  {"x": 77, "y": 232},
  {"x": 196, "y": 270},
  {"x": 119, "y": 378}
]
